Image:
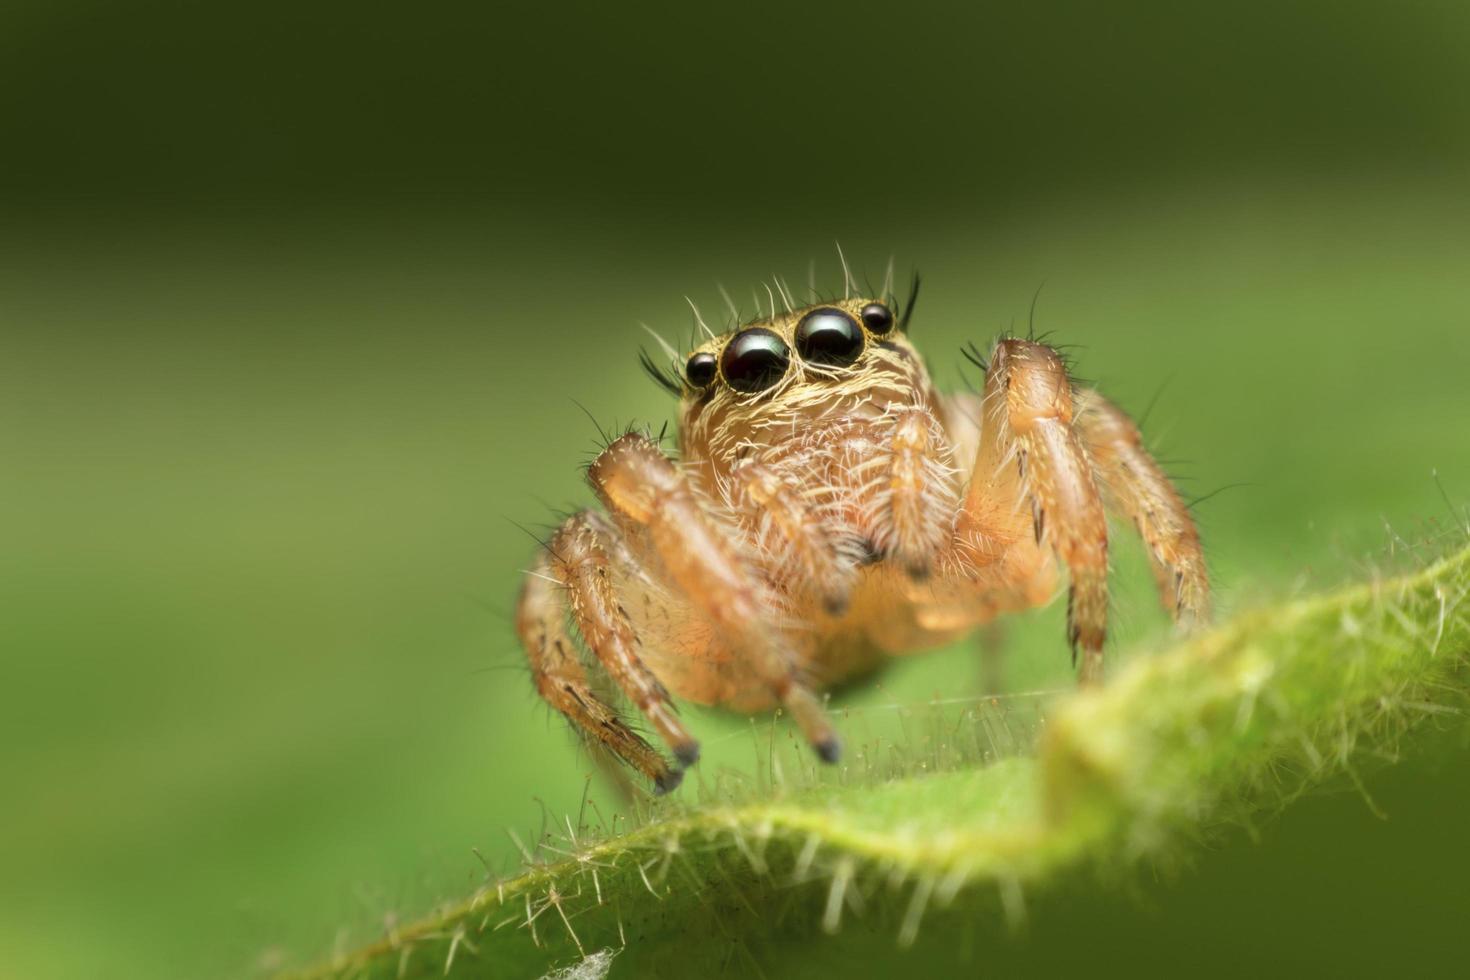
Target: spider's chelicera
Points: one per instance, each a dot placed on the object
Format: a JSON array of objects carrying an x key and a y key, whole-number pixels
[{"x": 829, "y": 508}]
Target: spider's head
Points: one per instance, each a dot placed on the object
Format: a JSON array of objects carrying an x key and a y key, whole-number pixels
[{"x": 771, "y": 377}]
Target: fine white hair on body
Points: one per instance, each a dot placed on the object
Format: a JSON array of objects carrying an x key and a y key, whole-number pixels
[
  {"x": 699, "y": 319},
  {"x": 663, "y": 344},
  {"x": 846, "y": 273},
  {"x": 729, "y": 303}
]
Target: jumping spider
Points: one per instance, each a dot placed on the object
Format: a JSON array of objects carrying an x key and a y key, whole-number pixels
[{"x": 830, "y": 508}]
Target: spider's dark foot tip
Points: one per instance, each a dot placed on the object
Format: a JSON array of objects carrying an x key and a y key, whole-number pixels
[
  {"x": 918, "y": 571},
  {"x": 667, "y": 782},
  {"x": 835, "y": 605},
  {"x": 687, "y": 754},
  {"x": 829, "y": 749}
]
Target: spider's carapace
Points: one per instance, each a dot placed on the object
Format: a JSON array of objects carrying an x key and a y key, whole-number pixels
[{"x": 827, "y": 508}]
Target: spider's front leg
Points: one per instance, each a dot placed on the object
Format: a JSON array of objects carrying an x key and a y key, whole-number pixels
[
  {"x": 1134, "y": 485},
  {"x": 654, "y": 499},
  {"x": 1031, "y": 468},
  {"x": 573, "y": 575}
]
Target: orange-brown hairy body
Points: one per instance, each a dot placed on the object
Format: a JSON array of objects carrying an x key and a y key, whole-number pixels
[{"x": 833, "y": 513}]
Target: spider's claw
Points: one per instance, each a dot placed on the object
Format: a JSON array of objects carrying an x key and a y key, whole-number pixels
[
  {"x": 829, "y": 749},
  {"x": 687, "y": 753},
  {"x": 667, "y": 781},
  {"x": 835, "y": 604}
]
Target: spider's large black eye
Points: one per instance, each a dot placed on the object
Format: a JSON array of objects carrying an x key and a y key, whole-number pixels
[
  {"x": 700, "y": 370},
  {"x": 754, "y": 360},
  {"x": 877, "y": 318},
  {"x": 829, "y": 336}
]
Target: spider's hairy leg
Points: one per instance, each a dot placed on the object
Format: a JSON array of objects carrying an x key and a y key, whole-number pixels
[
  {"x": 584, "y": 552},
  {"x": 643, "y": 488},
  {"x": 1030, "y": 458},
  {"x": 562, "y": 681},
  {"x": 792, "y": 528},
  {"x": 1134, "y": 485}
]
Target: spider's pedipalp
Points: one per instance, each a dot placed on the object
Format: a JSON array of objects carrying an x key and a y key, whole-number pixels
[
  {"x": 906, "y": 490},
  {"x": 793, "y": 532},
  {"x": 1134, "y": 485}
]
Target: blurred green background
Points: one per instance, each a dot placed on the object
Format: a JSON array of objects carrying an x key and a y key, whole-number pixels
[{"x": 295, "y": 300}]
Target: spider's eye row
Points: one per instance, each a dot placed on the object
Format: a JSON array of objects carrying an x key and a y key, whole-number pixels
[
  {"x": 877, "y": 318},
  {"x": 829, "y": 337},
  {"x": 754, "y": 360},
  {"x": 700, "y": 370}
]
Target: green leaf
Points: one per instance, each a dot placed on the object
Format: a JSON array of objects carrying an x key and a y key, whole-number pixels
[{"x": 1228, "y": 724}]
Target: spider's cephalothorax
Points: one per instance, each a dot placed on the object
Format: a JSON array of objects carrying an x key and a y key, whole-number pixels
[{"x": 829, "y": 508}]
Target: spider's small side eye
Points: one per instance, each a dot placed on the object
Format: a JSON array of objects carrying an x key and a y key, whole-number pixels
[
  {"x": 700, "y": 370},
  {"x": 754, "y": 360},
  {"x": 877, "y": 318},
  {"x": 830, "y": 337}
]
